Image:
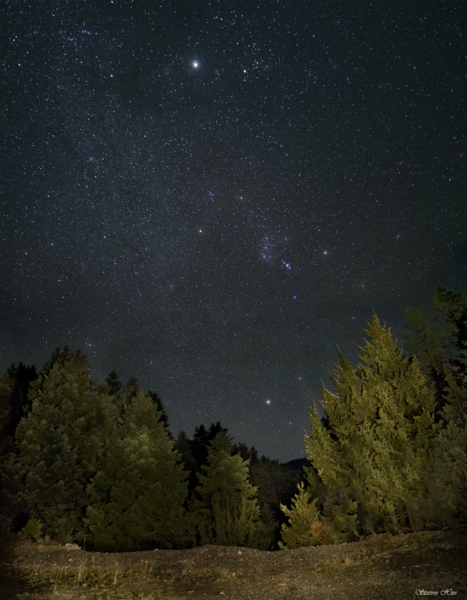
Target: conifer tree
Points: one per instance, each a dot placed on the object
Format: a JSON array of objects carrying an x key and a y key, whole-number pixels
[
  {"x": 453, "y": 307},
  {"x": 136, "y": 500},
  {"x": 115, "y": 385},
  {"x": 438, "y": 340},
  {"x": 160, "y": 407},
  {"x": 14, "y": 388},
  {"x": 455, "y": 433},
  {"x": 455, "y": 408},
  {"x": 59, "y": 445},
  {"x": 183, "y": 445},
  {"x": 60, "y": 356},
  {"x": 380, "y": 459},
  {"x": 124, "y": 396},
  {"x": 201, "y": 441},
  {"x": 305, "y": 527},
  {"x": 227, "y": 512},
  {"x": 382, "y": 418}
]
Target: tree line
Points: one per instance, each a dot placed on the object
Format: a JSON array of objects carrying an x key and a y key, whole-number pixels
[{"x": 96, "y": 462}]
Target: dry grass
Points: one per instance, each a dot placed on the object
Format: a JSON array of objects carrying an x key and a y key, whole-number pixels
[
  {"x": 211, "y": 570},
  {"x": 158, "y": 583}
]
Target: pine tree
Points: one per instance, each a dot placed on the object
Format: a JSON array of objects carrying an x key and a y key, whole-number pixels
[
  {"x": 453, "y": 307},
  {"x": 137, "y": 498},
  {"x": 455, "y": 409},
  {"x": 60, "y": 356},
  {"x": 59, "y": 444},
  {"x": 455, "y": 433},
  {"x": 124, "y": 396},
  {"x": 381, "y": 460},
  {"x": 437, "y": 341},
  {"x": 201, "y": 441},
  {"x": 383, "y": 416},
  {"x": 429, "y": 343},
  {"x": 182, "y": 444},
  {"x": 305, "y": 527},
  {"x": 115, "y": 385},
  {"x": 227, "y": 512},
  {"x": 14, "y": 389},
  {"x": 160, "y": 407}
]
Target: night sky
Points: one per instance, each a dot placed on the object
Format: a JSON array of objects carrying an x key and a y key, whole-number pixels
[{"x": 209, "y": 196}]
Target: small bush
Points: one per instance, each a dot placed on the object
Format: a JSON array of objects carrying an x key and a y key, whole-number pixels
[{"x": 32, "y": 530}]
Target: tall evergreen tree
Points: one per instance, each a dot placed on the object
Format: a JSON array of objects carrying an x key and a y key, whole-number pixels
[
  {"x": 379, "y": 460},
  {"x": 160, "y": 407},
  {"x": 59, "y": 445},
  {"x": 115, "y": 385},
  {"x": 455, "y": 416},
  {"x": 227, "y": 512},
  {"x": 136, "y": 500},
  {"x": 60, "y": 356},
  {"x": 125, "y": 395},
  {"x": 437, "y": 341},
  {"x": 305, "y": 527},
  {"x": 182, "y": 444},
  {"x": 201, "y": 441},
  {"x": 453, "y": 307},
  {"x": 14, "y": 388}
]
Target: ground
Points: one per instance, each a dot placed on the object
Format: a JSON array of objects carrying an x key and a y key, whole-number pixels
[{"x": 379, "y": 567}]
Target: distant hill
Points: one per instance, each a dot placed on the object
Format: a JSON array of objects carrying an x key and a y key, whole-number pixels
[{"x": 298, "y": 464}]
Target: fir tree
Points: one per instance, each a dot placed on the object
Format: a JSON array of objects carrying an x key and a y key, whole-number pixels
[
  {"x": 201, "y": 441},
  {"x": 59, "y": 444},
  {"x": 455, "y": 433},
  {"x": 60, "y": 357},
  {"x": 455, "y": 409},
  {"x": 437, "y": 341},
  {"x": 115, "y": 385},
  {"x": 14, "y": 388},
  {"x": 381, "y": 461},
  {"x": 137, "y": 498},
  {"x": 182, "y": 444},
  {"x": 124, "y": 396},
  {"x": 227, "y": 512},
  {"x": 160, "y": 407},
  {"x": 453, "y": 307},
  {"x": 305, "y": 527}
]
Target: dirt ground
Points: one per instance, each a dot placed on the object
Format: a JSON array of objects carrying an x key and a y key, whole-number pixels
[{"x": 380, "y": 567}]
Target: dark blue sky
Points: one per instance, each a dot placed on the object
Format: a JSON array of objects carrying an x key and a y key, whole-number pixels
[{"x": 215, "y": 230}]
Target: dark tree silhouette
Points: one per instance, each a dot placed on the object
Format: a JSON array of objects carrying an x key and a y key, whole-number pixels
[{"x": 115, "y": 385}]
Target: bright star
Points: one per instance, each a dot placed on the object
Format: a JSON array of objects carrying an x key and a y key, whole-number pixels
[{"x": 268, "y": 401}]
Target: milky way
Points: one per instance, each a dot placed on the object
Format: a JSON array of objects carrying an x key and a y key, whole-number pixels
[{"x": 210, "y": 196}]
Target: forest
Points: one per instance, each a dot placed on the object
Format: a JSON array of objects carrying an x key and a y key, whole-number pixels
[{"x": 96, "y": 463}]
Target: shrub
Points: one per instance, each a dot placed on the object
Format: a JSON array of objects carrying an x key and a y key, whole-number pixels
[{"x": 32, "y": 530}]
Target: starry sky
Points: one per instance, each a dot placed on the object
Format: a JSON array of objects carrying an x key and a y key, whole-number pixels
[{"x": 209, "y": 196}]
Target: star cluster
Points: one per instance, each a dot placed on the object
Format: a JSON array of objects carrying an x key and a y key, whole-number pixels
[{"x": 210, "y": 196}]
